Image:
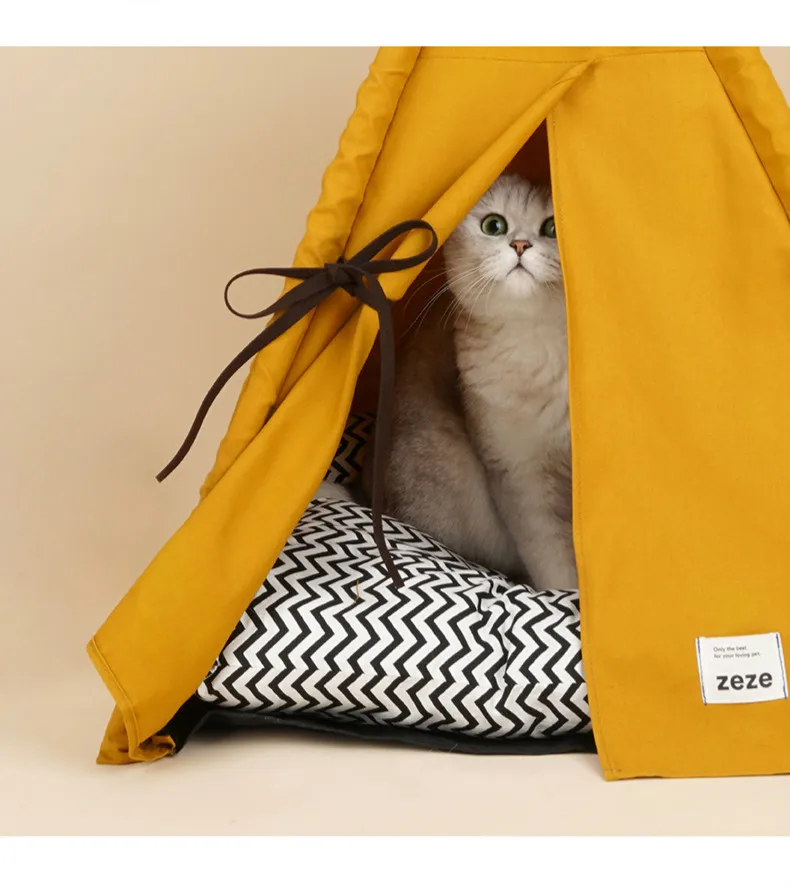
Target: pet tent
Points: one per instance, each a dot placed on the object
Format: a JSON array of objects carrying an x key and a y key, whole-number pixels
[{"x": 670, "y": 170}]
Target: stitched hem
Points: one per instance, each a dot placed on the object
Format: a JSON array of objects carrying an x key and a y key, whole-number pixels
[
  {"x": 589, "y": 667},
  {"x": 353, "y": 222},
  {"x": 117, "y": 691},
  {"x": 450, "y": 56},
  {"x": 160, "y": 745},
  {"x": 745, "y": 128}
]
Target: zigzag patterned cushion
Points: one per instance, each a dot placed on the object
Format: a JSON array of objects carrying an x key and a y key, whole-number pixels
[
  {"x": 459, "y": 652},
  {"x": 348, "y": 459},
  {"x": 457, "y": 649}
]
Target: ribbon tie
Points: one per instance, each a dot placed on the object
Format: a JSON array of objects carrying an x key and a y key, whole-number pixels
[{"x": 358, "y": 277}]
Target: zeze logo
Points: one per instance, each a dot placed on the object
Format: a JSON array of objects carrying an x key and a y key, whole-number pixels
[
  {"x": 744, "y": 681},
  {"x": 737, "y": 670}
]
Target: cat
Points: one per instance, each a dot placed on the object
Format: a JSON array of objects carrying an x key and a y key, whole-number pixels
[{"x": 480, "y": 452}]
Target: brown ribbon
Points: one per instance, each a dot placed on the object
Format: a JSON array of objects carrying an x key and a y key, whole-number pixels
[{"x": 357, "y": 276}]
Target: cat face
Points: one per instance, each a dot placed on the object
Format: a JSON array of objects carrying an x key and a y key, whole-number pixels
[{"x": 506, "y": 248}]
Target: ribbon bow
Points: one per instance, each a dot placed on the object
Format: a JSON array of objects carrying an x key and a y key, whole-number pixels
[{"x": 358, "y": 277}]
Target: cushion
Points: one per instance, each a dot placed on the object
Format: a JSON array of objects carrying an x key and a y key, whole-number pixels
[{"x": 459, "y": 657}]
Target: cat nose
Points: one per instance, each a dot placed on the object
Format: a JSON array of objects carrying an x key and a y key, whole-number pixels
[{"x": 521, "y": 246}]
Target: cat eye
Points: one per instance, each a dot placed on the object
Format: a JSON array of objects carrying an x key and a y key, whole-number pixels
[
  {"x": 494, "y": 225},
  {"x": 547, "y": 229}
]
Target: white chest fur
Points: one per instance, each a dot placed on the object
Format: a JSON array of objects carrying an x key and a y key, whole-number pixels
[{"x": 514, "y": 376}]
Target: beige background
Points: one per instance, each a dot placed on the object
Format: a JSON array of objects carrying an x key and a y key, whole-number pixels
[{"x": 133, "y": 183}]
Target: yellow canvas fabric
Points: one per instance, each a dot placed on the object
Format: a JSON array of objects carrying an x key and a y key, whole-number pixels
[
  {"x": 679, "y": 313},
  {"x": 670, "y": 175}
]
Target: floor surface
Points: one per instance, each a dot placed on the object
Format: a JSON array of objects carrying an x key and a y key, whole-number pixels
[{"x": 267, "y": 782}]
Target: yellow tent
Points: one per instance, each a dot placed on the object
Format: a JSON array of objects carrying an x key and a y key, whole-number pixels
[{"x": 671, "y": 177}]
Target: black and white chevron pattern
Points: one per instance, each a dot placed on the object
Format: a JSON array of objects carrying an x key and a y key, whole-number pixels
[
  {"x": 458, "y": 649},
  {"x": 347, "y": 462}
]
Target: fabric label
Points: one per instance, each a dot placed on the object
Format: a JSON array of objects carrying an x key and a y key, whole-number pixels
[{"x": 739, "y": 670}]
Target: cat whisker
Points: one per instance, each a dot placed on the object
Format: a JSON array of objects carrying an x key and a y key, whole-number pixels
[
  {"x": 437, "y": 295},
  {"x": 433, "y": 277},
  {"x": 487, "y": 288},
  {"x": 420, "y": 318},
  {"x": 454, "y": 310},
  {"x": 481, "y": 286},
  {"x": 423, "y": 284},
  {"x": 472, "y": 293}
]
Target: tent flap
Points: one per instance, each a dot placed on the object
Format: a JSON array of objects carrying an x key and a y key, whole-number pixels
[{"x": 677, "y": 269}]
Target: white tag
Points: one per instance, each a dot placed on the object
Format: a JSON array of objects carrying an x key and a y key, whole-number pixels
[{"x": 738, "y": 670}]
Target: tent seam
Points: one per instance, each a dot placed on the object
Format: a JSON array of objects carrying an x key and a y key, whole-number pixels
[
  {"x": 577, "y": 481},
  {"x": 748, "y": 134},
  {"x": 562, "y": 61},
  {"x": 121, "y": 698},
  {"x": 278, "y": 390},
  {"x": 258, "y": 364}
]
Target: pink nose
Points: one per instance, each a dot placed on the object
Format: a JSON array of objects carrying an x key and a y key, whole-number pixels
[{"x": 521, "y": 246}]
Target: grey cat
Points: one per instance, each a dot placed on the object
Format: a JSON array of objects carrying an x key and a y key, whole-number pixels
[{"x": 480, "y": 456}]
